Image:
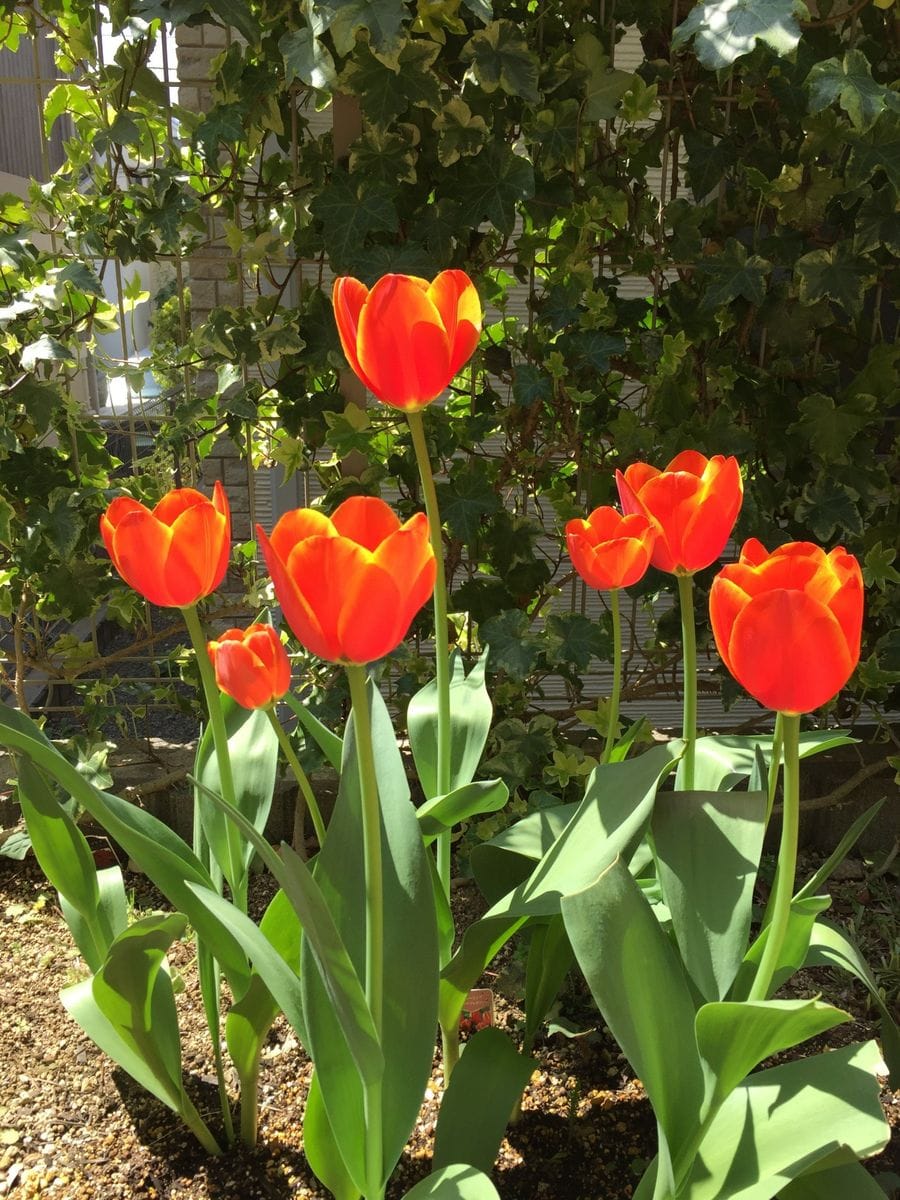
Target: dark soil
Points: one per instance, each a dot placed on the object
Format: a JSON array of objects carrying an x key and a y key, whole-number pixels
[{"x": 73, "y": 1126}]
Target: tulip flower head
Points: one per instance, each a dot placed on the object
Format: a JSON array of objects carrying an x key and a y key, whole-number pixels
[
  {"x": 407, "y": 338},
  {"x": 173, "y": 554},
  {"x": 609, "y": 550},
  {"x": 788, "y": 624},
  {"x": 251, "y": 665},
  {"x": 693, "y": 505},
  {"x": 350, "y": 584}
]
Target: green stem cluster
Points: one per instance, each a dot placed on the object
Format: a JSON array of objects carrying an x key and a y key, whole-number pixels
[
  {"x": 617, "y": 676},
  {"x": 689, "y": 642}
]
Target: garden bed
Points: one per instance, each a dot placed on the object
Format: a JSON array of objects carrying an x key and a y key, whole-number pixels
[{"x": 74, "y": 1126}]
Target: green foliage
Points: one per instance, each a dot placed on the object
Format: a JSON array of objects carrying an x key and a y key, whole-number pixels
[{"x": 506, "y": 141}]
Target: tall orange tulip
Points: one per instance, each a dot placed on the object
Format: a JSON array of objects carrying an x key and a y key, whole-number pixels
[
  {"x": 350, "y": 584},
  {"x": 608, "y": 550},
  {"x": 407, "y": 338},
  {"x": 251, "y": 665},
  {"x": 174, "y": 554},
  {"x": 693, "y": 505},
  {"x": 788, "y": 624}
]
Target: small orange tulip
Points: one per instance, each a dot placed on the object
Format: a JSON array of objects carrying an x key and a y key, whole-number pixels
[
  {"x": 693, "y": 505},
  {"x": 788, "y": 624},
  {"x": 407, "y": 338},
  {"x": 608, "y": 550},
  {"x": 251, "y": 665},
  {"x": 350, "y": 584},
  {"x": 175, "y": 554}
]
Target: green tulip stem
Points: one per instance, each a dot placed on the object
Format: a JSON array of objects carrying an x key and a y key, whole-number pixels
[
  {"x": 780, "y": 905},
  {"x": 238, "y": 876},
  {"x": 775, "y": 764},
  {"x": 689, "y": 644},
  {"x": 617, "y": 676},
  {"x": 371, "y": 822},
  {"x": 306, "y": 792},
  {"x": 199, "y": 1128},
  {"x": 441, "y": 652}
]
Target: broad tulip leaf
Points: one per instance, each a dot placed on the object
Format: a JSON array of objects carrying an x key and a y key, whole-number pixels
[
  {"x": 782, "y": 1121},
  {"x": 641, "y": 989},
  {"x": 724, "y": 30},
  {"x": 830, "y": 947},
  {"x": 321, "y": 1149},
  {"x": 253, "y": 751},
  {"x": 459, "y": 1182},
  {"x": 722, "y": 761},
  {"x": 411, "y": 961},
  {"x": 157, "y": 849},
  {"x": 443, "y": 812},
  {"x": 470, "y": 722},
  {"x": 509, "y": 858},
  {"x": 734, "y": 1038},
  {"x": 128, "y": 1007},
  {"x": 549, "y": 958},
  {"x": 708, "y": 846},
  {"x": 485, "y": 1085},
  {"x": 610, "y": 820},
  {"x": 251, "y": 1016},
  {"x": 839, "y": 1182},
  {"x": 109, "y": 920},
  {"x": 481, "y": 942},
  {"x": 794, "y": 948}
]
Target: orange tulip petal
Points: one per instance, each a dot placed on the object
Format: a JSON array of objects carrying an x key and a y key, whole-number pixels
[
  {"x": 402, "y": 345},
  {"x": 327, "y": 571},
  {"x": 753, "y": 552},
  {"x": 373, "y": 617},
  {"x": 239, "y": 675},
  {"x": 140, "y": 547},
  {"x": 348, "y": 297},
  {"x": 847, "y": 603},
  {"x": 707, "y": 530},
  {"x": 298, "y": 614},
  {"x": 365, "y": 520},
  {"x": 177, "y": 501},
  {"x": 726, "y": 600},
  {"x": 115, "y": 513},
  {"x": 789, "y": 652},
  {"x": 195, "y": 565},
  {"x": 691, "y": 461},
  {"x": 296, "y": 525},
  {"x": 456, "y": 300}
]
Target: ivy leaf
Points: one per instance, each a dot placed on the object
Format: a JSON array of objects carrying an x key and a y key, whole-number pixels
[
  {"x": 830, "y": 508},
  {"x": 724, "y": 30},
  {"x": 385, "y": 93},
  {"x": 384, "y": 19},
  {"x": 639, "y": 102},
  {"x": 604, "y": 85},
  {"x": 837, "y": 273},
  {"x": 308, "y": 59},
  {"x": 879, "y": 569},
  {"x": 46, "y": 349},
  {"x": 466, "y": 500},
  {"x": 386, "y": 156},
  {"x": 491, "y": 191},
  {"x": 68, "y": 98},
  {"x": 514, "y": 648},
  {"x": 707, "y": 161},
  {"x": 7, "y": 512},
  {"x": 592, "y": 348},
  {"x": 350, "y": 210},
  {"x": 235, "y": 14},
  {"x": 575, "y": 638},
  {"x": 483, "y": 9},
  {"x": 531, "y": 385},
  {"x": 876, "y": 224},
  {"x": 732, "y": 273},
  {"x": 522, "y": 750},
  {"x": 879, "y": 150},
  {"x": 849, "y": 81},
  {"x": 831, "y": 428},
  {"x": 500, "y": 57},
  {"x": 223, "y": 123},
  {"x": 460, "y": 133},
  {"x": 556, "y": 130}
]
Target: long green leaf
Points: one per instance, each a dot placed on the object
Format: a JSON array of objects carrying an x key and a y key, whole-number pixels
[
  {"x": 782, "y": 1121},
  {"x": 501, "y": 864},
  {"x": 549, "y": 958},
  {"x": 482, "y": 940},
  {"x": 708, "y": 846},
  {"x": 458, "y": 1182},
  {"x": 840, "y": 852},
  {"x": 722, "y": 761},
  {"x": 470, "y": 722},
  {"x": 321, "y": 1149},
  {"x": 794, "y": 948},
  {"x": 443, "y": 812},
  {"x": 641, "y": 989},
  {"x": 733, "y": 1038},
  {"x": 841, "y": 1182},
  {"x": 329, "y": 743},
  {"x": 411, "y": 962},
  {"x": 157, "y": 849},
  {"x": 609, "y": 821},
  {"x": 253, "y": 750},
  {"x": 110, "y": 920},
  {"x": 830, "y": 947},
  {"x": 485, "y": 1085}
]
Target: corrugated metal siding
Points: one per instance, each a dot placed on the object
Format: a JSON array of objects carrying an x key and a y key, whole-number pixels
[{"x": 26, "y": 79}]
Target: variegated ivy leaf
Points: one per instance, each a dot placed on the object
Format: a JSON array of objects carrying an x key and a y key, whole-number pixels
[{"x": 724, "y": 30}]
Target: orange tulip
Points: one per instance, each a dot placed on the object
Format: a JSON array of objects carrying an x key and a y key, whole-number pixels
[
  {"x": 350, "y": 584},
  {"x": 608, "y": 550},
  {"x": 788, "y": 624},
  {"x": 251, "y": 665},
  {"x": 407, "y": 338},
  {"x": 175, "y": 554},
  {"x": 693, "y": 505}
]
